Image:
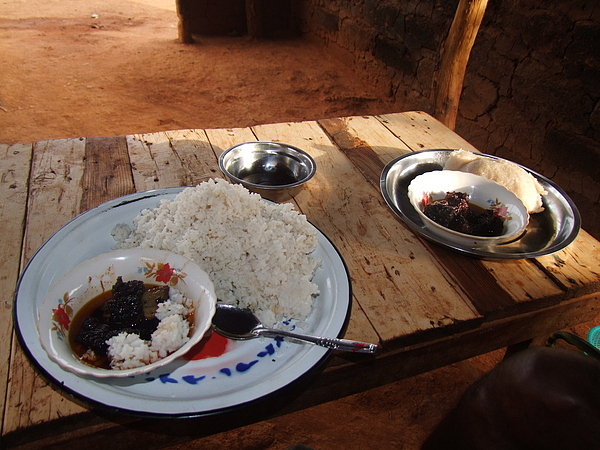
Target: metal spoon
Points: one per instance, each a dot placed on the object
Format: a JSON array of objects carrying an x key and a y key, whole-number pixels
[{"x": 240, "y": 324}]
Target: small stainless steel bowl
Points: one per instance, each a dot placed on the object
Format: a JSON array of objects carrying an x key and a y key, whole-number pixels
[{"x": 274, "y": 170}]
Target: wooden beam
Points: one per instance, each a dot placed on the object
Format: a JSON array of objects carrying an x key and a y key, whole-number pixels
[
  {"x": 254, "y": 21},
  {"x": 184, "y": 30},
  {"x": 455, "y": 52}
]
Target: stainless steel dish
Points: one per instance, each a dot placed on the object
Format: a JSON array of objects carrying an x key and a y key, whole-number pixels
[
  {"x": 274, "y": 170},
  {"x": 548, "y": 232}
]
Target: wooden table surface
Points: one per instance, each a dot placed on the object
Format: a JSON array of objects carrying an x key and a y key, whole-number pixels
[{"x": 427, "y": 306}]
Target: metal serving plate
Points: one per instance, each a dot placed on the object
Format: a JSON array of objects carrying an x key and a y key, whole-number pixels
[{"x": 549, "y": 231}]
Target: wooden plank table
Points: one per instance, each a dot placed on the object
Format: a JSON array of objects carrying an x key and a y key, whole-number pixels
[{"x": 427, "y": 306}]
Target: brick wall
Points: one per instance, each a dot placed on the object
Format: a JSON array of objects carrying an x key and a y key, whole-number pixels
[{"x": 532, "y": 88}]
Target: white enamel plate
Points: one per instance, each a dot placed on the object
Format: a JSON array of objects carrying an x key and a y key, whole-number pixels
[{"x": 247, "y": 371}]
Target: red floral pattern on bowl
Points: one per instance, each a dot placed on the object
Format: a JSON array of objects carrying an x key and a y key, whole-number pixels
[
  {"x": 160, "y": 272},
  {"x": 431, "y": 186},
  {"x": 97, "y": 275}
]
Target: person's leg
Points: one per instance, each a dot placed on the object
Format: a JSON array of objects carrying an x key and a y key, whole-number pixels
[{"x": 540, "y": 398}]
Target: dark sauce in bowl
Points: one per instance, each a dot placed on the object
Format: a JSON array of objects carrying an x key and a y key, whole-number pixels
[
  {"x": 128, "y": 307},
  {"x": 456, "y": 213},
  {"x": 278, "y": 176}
]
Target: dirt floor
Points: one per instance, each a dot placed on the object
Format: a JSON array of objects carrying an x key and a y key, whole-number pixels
[
  {"x": 94, "y": 68},
  {"x": 104, "y": 68}
]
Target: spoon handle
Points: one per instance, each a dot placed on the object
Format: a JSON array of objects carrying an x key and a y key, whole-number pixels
[{"x": 345, "y": 345}]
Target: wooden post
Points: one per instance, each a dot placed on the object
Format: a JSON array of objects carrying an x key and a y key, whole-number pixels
[
  {"x": 183, "y": 27},
  {"x": 455, "y": 52},
  {"x": 254, "y": 19}
]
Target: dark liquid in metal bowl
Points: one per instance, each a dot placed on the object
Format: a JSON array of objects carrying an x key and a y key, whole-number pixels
[{"x": 278, "y": 176}]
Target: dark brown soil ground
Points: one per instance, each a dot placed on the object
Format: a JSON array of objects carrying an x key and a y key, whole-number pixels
[{"x": 105, "y": 68}]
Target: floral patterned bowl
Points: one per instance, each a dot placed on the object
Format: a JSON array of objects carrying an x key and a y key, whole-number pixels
[
  {"x": 433, "y": 186},
  {"x": 97, "y": 275}
]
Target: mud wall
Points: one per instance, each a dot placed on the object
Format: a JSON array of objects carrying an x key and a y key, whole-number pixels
[
  {"x": 532, "y": 88},
  {"x": 214, "y": 17},
  {"x": 392, "y": 44},
  {"x": 270, "y": 18}
]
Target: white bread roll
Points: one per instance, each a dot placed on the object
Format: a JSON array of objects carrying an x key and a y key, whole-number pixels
[{"x": 511, "y": 176}]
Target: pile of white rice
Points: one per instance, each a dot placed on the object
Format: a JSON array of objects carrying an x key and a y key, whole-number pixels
[
  {"x": 257, "y": 253},
  {"x": 128, "y": 350}
]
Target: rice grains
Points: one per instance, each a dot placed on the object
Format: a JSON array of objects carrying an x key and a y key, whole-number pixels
[{"x": 257, "y": 253}]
